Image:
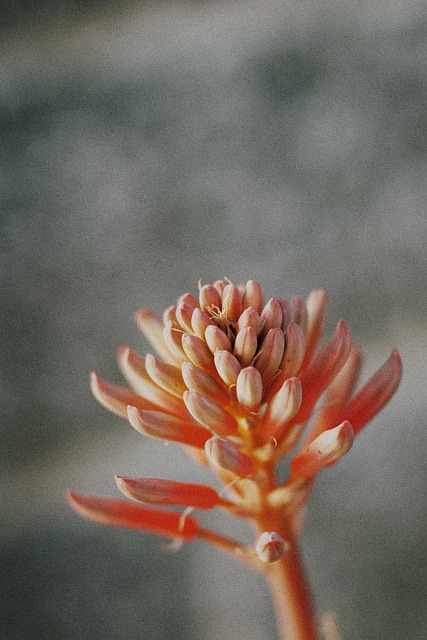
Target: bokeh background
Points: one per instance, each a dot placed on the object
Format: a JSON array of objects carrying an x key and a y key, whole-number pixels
[{"x": 145, "y": 146}]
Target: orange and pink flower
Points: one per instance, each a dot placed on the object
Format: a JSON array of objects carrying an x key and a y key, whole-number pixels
[{"x": 240, "y": 384}]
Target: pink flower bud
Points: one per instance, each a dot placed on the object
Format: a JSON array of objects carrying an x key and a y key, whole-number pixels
[
  {"x": 249, "y": 388},
  {"x": 226, "y": 455},
  {"x": 253, "y": 296},
  {"x": 216, "y": 339},
  {"x": 227, "y": 366}
]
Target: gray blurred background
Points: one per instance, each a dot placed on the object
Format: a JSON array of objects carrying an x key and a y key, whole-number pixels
[{"x": 145, "y": 146}]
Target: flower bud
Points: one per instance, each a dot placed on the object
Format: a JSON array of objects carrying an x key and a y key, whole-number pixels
[
  {"x": 269, "y": 546},
  {"x": 226, "y": 455},
  {"x": 249, "y": 388}
]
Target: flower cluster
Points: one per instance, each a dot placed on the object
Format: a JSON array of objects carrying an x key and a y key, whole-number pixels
[{"x": 240, "y": 384}]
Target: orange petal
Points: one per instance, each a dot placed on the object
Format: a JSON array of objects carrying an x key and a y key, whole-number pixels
[
  {"x": 323, "y": 369},
  {"x": 209, "y": 413},
  {"x": 120, "y": 513},
  {"x": 166, "y": 376},
  {"x": 134, "y": 370},
  {"x": 316, "y": 305},
  {"x": 324, "y": 451},
  {"x": 299, "y": 313},
  {"x": 169, "y": 492},
  {"x": 151, "y": 326},
  {"x": 115, "y": 398},
  {"x": 167, "y": 427},
  {"x": 375, "y": 393},
  {"x": 337, "y": 395}
]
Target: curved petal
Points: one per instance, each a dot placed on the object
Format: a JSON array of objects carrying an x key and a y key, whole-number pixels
[
  {"x": 120, "y": 513},
  {"x": 169, "y": 492}
]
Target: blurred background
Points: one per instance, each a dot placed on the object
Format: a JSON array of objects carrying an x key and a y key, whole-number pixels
[{"x": 145, "y": 146}]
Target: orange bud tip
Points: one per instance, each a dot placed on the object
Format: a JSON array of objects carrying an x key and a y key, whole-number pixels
[{"x": 270, "y": 546}]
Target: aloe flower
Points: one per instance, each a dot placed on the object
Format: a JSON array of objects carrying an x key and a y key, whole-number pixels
[{"x": 241, "y": 384}]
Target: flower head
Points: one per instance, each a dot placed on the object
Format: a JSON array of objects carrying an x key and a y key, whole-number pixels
[{"x": 240, "y": 384}]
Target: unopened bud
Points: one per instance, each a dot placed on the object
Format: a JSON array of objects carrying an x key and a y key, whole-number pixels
[
  {"x": 270, "y": 546},
  {"x": 226, "y": 454}
]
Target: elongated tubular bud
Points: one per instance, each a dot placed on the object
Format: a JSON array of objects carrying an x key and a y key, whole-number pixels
[
  {"x": 323, "y": 369},
  {"x": 197, "y": 351},
  {"x": 226, "y": 455},
  {"x": 166, "y": 376},
  {"x": 249, "y": 388},
  {"x": 209, "y": 413},
  {"x": 269, "y": 546},
  {"x": 227, "y": 366},
  {"x": 167, "y": 427},
  {"x": 200, "y": 321},
  {"x": 188, "y": 299},
  {"x": 271, "y": 316},
  {"x": 169, "y": 315},
  {"x": 282, "y": 408},
  {"x": 115, "y": 398},
  {"x": 168, "y": 492},
  {"x": 270, "y": 354},
  {"x": 375, "y": 393},
  {"x": 173, "y": 338},
  {"x": 220, "y": 286},
  {"x": 316, "y": 306},
  {"x": 246, "y": 345},
  {"x": 198, "y": 380},
  {"x": 216, "y": 339},
  {"x": 253, "y": 296},
  {"x": 209, "y": 298},
  {"x": 184, "y": 313},
  {"x": 232, "y": 302},
  {"x": 249, "y": 318},
  {"x": 337, "y": 396},
  {"x": 299, "y": 312},
  {"x": 120, "y": 513},
  {"x": 134, "y": 370},
  {"x": 286, "y": 313},
  {"x": 325, "y": 450},
  {"x": 151, "y": 325},
  {"x": 293, "y": 354}
]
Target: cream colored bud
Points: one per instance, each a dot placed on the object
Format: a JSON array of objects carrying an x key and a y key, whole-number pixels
[
  {"x": 270, "y": 546},
  {"x": 249, "y": 388},
  {"x": 226, "y": 455},
  {"x": 227, "y": 366}
]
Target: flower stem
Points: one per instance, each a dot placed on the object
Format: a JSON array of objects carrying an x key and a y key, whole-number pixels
[{"x": 291, "y": 598}]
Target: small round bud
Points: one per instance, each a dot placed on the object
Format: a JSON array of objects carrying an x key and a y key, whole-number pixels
[{"x": 269, "y": 546}]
